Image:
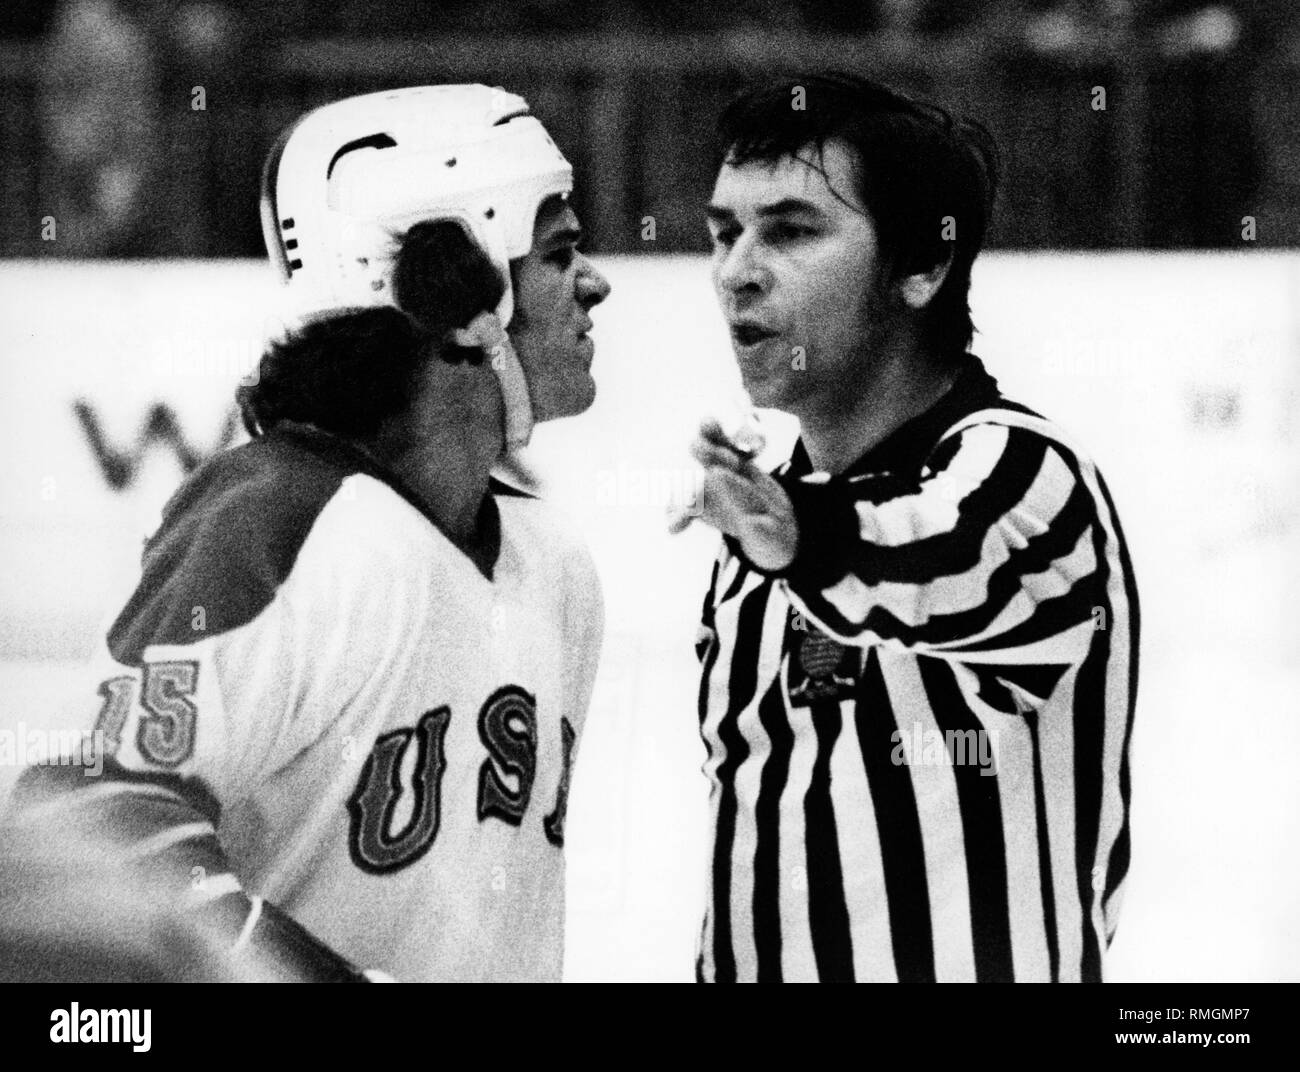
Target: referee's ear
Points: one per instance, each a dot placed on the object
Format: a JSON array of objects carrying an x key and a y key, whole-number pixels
[{"x": 918, "y": 289}]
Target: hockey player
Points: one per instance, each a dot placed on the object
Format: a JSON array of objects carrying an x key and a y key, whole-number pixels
[{"x": 341, "y": 709}]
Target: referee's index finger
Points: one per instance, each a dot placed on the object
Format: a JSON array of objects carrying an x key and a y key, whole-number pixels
[
  {"x": 710, "y": 454},
  {"x": 712, "y": 433},
  {"x": 711, "y": 429}
]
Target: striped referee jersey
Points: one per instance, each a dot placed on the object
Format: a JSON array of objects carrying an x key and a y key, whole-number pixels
[{"x": 918, "y": 732}]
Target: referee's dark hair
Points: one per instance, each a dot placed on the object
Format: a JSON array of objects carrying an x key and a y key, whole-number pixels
[
  {"x": 917, "y": 164},
  {"x": 347, "y": 373}
]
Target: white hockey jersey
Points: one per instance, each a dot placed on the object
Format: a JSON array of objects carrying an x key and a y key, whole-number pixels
[{"x": 313, "y": 690}]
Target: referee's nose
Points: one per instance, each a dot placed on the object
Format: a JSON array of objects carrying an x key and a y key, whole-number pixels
[{"x": 740, "y": 271}]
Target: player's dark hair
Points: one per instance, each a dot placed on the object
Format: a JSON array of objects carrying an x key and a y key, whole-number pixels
[
  {"x": 917, "y": 165},
  {"x": 348, "y": 372}
]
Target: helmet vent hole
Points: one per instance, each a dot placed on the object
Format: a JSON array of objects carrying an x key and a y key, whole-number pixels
[
  {"x": 490, "y": 213},
  {"x": 451, "y": 162},
  {"x": 374, "y": 141}
]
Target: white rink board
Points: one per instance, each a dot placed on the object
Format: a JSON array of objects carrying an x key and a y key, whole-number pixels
[{"x": 1181, "y": 373}]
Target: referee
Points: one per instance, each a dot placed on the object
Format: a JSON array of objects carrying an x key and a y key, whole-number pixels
[{"x": 920, "y": 641}]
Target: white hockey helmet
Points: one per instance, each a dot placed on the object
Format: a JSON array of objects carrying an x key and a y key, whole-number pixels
[{"x": 350, "y": 178}]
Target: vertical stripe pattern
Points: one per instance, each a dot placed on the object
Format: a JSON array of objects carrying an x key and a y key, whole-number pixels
[{"x": 955, "y": 805}]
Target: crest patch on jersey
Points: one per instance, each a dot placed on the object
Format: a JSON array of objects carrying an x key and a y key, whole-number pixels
[{"x": 821, "y": 668}]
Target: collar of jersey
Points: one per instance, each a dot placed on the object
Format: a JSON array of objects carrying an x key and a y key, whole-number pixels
[
  {"x": 908, "y": 445},
  {"x": 334, "y": 448}
]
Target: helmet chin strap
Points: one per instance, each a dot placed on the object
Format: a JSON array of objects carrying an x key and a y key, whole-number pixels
[{"x": 486, "y": 332}]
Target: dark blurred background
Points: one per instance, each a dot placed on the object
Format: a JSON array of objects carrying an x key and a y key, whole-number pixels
[{"x": 140, "y": 125}]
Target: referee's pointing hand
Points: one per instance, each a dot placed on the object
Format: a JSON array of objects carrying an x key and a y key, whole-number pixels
[{"x": 739, "y": 499}]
